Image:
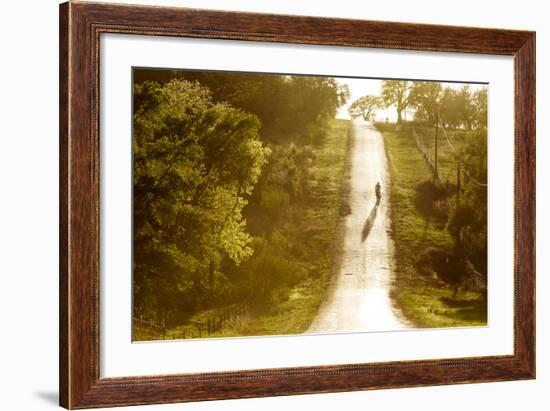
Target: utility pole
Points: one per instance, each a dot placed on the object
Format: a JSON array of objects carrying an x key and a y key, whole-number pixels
[
  {"x": 458, "y": 186},
  {"x": 459, "y": 234},
  {"x": 435, "y": 155}
]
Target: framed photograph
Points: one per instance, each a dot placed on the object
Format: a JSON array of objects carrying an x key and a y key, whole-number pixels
[{"x": 258, "y": 205}]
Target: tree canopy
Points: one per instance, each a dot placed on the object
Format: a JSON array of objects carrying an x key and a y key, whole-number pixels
[
  {"x": 195, "y": 164},
  {"x": 365, "y": 107},
  {"x": 396, "y": 93},
  {"x": 425, "y": 96},
  {"x": 220, "y": 162},
  {"x": 290, "y": 108}
]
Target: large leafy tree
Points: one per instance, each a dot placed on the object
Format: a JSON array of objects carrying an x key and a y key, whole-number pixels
[
  {"x": 311, "y": 102},
  {"x": 199, "y": 257},
  {"x": 397, "y": 93},
  {"x": 426, "y": 97},
  {"x": 465, "y": 107},
  {"x": 290, "y": 108},
  {"x": 449, "y": 108},
  {"x": 479, "y": 101},
  {"x": 195, "y": 164},
  {"x": 365, "y": 107}
]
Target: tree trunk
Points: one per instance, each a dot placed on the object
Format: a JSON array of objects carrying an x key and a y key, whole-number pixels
[{"x": 399, "y": 118}]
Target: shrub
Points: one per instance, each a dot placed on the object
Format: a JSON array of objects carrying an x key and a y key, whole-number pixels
[
  {"x": 273, "y": 202},
  {"x": 432, "y": 200},
  {"x": 449, "y": 267}
]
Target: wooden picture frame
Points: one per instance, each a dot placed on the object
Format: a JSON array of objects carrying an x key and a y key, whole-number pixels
[{"x": 80, "y": 27}]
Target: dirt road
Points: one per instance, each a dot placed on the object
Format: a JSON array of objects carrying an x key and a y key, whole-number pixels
[{"x": 358, "y": 299}]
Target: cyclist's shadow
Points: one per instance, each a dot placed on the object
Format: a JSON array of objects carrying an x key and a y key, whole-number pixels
[{"x": 370, "y": 221}]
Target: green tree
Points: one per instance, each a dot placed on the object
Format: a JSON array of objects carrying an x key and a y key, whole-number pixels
[
  {"x": 195, "y": 164},
  {"x": 426, "y": 96},
  {"x": 290, "y": 108},
  {"x": 365, "y": 107},
  {"x": 462, "y": 108},
  {"x": 309, "y": 104},
  {"x": 396, "y": 93},
  {"x": 468, "y": 219},
  {"x": 465, "y": 107},
  {"x": 198, "y": 257},
  {"x": 449, "y": 108},
  {"x": 479, "y": 102}
]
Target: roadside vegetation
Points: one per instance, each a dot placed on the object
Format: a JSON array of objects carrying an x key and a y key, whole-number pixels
[
  {"x": 439, "y": 207},
  {"x": 422, "y": 239},
  {"x": 237, "y": 181},
  {"x": 305, "y": 245}
]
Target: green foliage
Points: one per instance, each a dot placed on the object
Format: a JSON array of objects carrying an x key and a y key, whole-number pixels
[
  {"x": 215, "y": 209},
  {"x": 271, "y": 269},
  {"x": 449, "y": 266},
  {"x": 274, "y": 202},
  {"x": 429, "y": 269},
  {"x": 291, "y": 108},
  {"x": 462, "y": 150},
  {"x": 480, "y": 108},
  {"x": 284, "y": 213},
  {"x": 425, "y": 96},
  {"x": 396, "y": 93},
  {"x": 365, "y": 107},
  {"x": 432, "y": 200},
  {"x": 285, "y": 279},
  {"x": 469, "y": 222},
  {"x": 195, "y": 164},
  {"x": 458, "y": 108},
  {"x": 462, "y": 217}
]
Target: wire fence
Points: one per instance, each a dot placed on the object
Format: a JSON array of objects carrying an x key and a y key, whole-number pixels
[
  {"x": 478, "y": 278},
  {"x": 426, "y": 155},
  {"x": 459, "y": 160},
  {"x": 207, "y": 325}
]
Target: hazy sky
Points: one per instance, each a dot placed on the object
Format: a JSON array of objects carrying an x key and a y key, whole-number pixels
[{"x": 359, "y": 87}]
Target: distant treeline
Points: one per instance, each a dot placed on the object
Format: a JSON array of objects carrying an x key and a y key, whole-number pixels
[{"x": 220, "y": 160}]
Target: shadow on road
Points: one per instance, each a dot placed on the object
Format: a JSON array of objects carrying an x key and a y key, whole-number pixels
[{"x": 369, "y": 222}]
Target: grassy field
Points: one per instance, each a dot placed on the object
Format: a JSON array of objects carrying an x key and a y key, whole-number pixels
[
  {"x": 425, "y": 300},
  {"x": 312, "y": 225}
]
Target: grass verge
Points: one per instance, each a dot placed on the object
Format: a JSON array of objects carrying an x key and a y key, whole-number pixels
[{"x": 424, "y": 300}]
